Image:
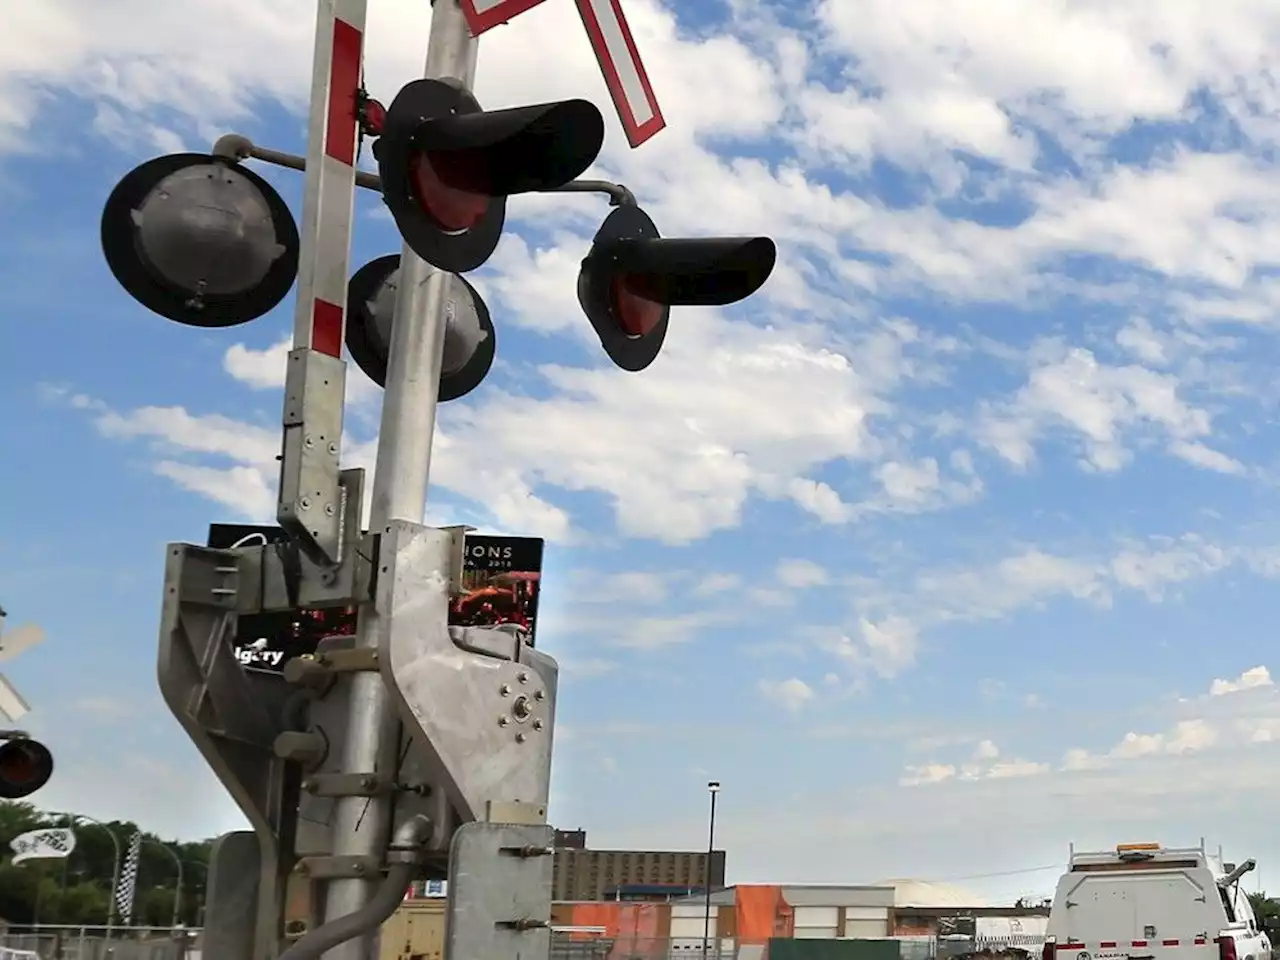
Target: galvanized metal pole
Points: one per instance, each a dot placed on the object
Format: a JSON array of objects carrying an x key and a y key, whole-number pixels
[{"x": 399, "y": 493}]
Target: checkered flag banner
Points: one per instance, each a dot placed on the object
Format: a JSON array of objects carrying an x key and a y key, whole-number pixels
[{"x": 128, "y": 880}]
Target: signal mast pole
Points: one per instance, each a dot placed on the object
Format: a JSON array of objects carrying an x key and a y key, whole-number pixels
[{"x": 360, "y": 824}]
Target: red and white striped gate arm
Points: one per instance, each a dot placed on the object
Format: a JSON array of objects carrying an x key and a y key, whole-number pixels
[{"x": 329, "y": 194}]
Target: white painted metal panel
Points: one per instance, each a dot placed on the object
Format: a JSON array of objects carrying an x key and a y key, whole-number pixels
[
  {"x": 690, "y": 927},
  {"x": 817, "y": 916},
  {"x": 867, "y": 913},
  {"x": 815, "y": 933},
  {"x": 865, "y": 929},
  {"x": 690, "y": 910}
]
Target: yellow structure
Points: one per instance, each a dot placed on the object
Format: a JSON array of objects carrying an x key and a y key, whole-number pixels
[{"x": 414, "y": 932}]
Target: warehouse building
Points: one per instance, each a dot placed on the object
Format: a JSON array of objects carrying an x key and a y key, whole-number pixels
[{"x": 582, "y": 874}]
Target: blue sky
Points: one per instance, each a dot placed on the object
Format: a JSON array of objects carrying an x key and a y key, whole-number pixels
[{"x": 956, "y": 544}]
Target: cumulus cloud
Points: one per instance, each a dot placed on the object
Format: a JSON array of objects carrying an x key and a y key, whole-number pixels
[
  {"x": 791, "y": 694},
  {"x": 1250, "y": 679},
  {"x": 985, "y": 763}
]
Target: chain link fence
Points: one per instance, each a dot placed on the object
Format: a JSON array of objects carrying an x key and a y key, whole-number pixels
[{"x": 92, "y": 943}]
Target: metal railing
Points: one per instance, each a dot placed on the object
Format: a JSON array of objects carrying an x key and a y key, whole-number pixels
[{"x": 59, "y": 942}]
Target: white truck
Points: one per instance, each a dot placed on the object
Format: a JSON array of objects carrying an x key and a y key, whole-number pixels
[{"x": 1142, "y": 901}]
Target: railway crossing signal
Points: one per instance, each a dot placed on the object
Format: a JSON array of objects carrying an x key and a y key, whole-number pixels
[
  {"x": 469, "y": 337},
  {"x": 409, "y": 748},
  {"x": 447, "y": 166},
  {"x": 200, "y": 241},
  {"x": 25, "y": 765},
  {"x": 632, "y": 277}
]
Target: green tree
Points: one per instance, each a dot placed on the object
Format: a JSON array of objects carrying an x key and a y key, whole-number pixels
[
  {"x": 77, "y": 889},
  {"x": 1266, "y": 910}
]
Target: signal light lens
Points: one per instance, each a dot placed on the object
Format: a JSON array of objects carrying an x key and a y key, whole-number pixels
[
  {"x": 636, "y": 313},
  {"x": 438, "y": 185},
  {"x": 25, "y": 766}
]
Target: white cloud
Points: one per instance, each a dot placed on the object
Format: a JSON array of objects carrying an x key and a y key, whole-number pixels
[
  {"x": 682, "y": 472},
  {"x": 1250, "y": 679},
  {"x": 799, "y": 574},
  {"x": 791, "y": 694},
  {"x": 1232, "y": 714},
  {"x": 715, "y": 583},
  {"x": 1102, "y": 405},
  {"x": 984, "y": 763},
  {"x": 929, "y": 773},
  {"x": 986, "y": 750}
]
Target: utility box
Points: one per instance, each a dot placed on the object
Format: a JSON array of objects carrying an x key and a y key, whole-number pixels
[{"x": 414, "y": 932}]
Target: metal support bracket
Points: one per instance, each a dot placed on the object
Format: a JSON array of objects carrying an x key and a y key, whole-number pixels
[
  {"x": 460, "y": 702},
  {"x": 499, "y": 903},
  {"x": 457, "y": 554},
  {"x": 233, "y": 716},
  {"x": 272, "y": 578},
  {"x": 339, "y": 867},
  {"x": 348, "y": 785},
  {"x": 320, "y": 669},
  {"x": 311, "y": 503}
]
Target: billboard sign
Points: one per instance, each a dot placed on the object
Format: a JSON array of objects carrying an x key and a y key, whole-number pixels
[{"x": 501, "y": 583}]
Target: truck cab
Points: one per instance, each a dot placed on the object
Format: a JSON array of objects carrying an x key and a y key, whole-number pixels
[{"x": 1142, "y": 901}]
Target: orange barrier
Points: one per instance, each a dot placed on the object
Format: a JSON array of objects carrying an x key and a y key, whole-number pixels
[{"x": 762, "y": 912}]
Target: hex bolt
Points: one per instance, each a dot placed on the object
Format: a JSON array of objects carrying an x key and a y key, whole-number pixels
[
  {"x": 521, "y": 709},
  {"x": 537, "y": 724},
  {"x": 521, "y": 738},
  {"x": 368, "y": 782},
  {"x": 358, "y": 869},
  {"x": 505, "y": 690},
  {"x": 539, "y": 695},
  {"x": 522, "y": 677},
  {"x": 503, "y": 721}
]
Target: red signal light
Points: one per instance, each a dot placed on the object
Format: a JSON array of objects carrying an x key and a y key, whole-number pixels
[
  {"x": 455, "y": 209},
  {"x": 636, "y": 313}
]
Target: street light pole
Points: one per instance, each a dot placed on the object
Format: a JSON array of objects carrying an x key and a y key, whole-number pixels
[
  {"x": 713, "y": 788},
  {"x": 75, "y": 818},
  {"x": 177, "y": 893}
]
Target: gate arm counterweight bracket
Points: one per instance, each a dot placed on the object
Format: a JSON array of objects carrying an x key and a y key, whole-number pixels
[{"x": 460, "y": 700}]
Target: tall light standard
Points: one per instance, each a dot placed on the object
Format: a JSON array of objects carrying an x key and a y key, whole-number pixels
[
  {"x": 177, "y": 893},
  {"x": 713, "y": 787},
  {"x": 76, "y": 818}
]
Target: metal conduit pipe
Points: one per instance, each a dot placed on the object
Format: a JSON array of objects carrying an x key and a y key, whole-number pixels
[{"x": 403, "y": 859}]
